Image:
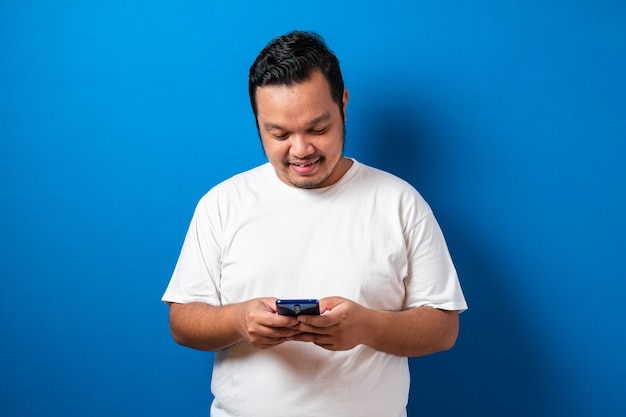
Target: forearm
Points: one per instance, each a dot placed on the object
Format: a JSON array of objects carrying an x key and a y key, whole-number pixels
[
  {"x": 204, "y": 327},
  {"x": 413, "y": 332}
]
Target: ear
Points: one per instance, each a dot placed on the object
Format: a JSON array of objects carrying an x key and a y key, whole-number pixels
[{"x": 344, "y": 101}]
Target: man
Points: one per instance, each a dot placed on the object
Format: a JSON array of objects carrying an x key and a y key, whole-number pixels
[{"x": 311, "y": 223}]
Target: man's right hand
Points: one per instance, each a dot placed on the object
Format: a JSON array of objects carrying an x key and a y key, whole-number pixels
[
  {"x": 261, "y": 327},
  {"x": 210, "y": 328}
]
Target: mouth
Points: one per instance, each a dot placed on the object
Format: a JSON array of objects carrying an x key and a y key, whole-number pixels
[{"x": 304, "y": 168}]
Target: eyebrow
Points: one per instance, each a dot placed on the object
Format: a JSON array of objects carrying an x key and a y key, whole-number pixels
[{"x": 322, "y": 118}]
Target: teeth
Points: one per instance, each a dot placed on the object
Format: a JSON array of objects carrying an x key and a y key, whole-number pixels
[{"x": 303, "y": 165}]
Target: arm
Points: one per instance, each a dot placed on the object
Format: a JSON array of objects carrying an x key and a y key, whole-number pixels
[
  {"x": 205, "y": 327},
  {"x": 413, "y": 332}
]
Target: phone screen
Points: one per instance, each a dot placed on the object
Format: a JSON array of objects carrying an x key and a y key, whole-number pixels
[{"x": 298, "y": 307}]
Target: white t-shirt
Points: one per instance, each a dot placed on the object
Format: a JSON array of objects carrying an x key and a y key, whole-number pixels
[{"x": 370, "y": 238}]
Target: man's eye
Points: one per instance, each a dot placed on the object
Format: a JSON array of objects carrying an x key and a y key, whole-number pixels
[
  {"x": 280, "y": 136},
  {"x": 318, "y": 131}
]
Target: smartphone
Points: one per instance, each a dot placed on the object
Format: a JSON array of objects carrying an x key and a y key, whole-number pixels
[{"x": 296, "y": 308}]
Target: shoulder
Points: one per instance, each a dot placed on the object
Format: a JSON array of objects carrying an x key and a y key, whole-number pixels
[
  {"x": 388, "y": 189},
  {"x": 377, "y": 175},
  {"x": 384, "y": 181},
  {"x": 249, "y": 179},
  {"x": 241, "y": 187}
]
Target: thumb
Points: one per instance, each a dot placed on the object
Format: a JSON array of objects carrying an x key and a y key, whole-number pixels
[{"x": 328, "y": 303}]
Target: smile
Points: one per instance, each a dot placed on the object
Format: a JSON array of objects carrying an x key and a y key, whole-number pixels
[{"x": 304, "y": 167}]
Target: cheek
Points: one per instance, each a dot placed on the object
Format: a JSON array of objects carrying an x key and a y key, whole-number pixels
[
  {"x": 337, "y": 147},
  {"x": 273, "y": 149}
]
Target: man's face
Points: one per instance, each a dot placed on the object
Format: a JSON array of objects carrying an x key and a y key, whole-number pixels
[{"x": 302, "y": 132}]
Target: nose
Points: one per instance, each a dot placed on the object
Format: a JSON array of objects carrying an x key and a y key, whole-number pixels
[{"x": 301, "y": 147}]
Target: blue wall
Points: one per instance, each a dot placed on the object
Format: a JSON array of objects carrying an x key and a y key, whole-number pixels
[{"x": 509, "y": 116}]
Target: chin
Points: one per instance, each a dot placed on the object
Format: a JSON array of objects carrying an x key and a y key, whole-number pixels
[{"x": 306, "y": 183}]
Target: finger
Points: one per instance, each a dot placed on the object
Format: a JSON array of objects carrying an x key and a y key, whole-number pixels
[
  {"x": 276, "y": 320},
  {"x": 317, "y": 330},
  {"x": 276, "y": 332},
  {"x": 322, "y": 321},
  {"x": 266, "y": 343},
  {"x": 312, "y": 338},
  {"x": 304, "y": 337}
]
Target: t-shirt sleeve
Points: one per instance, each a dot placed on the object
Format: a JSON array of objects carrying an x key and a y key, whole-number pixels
[
  {"x": 432, "y": 279},
  {"x": 197, "y": 272}
]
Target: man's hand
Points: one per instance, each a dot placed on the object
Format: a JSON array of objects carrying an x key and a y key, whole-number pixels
[
  {"x": 341, "y": 325},
  {"x": 345, "y": 324},
  {"x": 260, "y": 326},
  {"x": 206, "y": 327}
]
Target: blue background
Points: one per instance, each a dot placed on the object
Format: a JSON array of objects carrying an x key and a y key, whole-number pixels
[{"x": 509, "y": 117}]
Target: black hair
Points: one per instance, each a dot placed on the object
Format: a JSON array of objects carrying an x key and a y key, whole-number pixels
[{"x": 292, "y": 58}]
